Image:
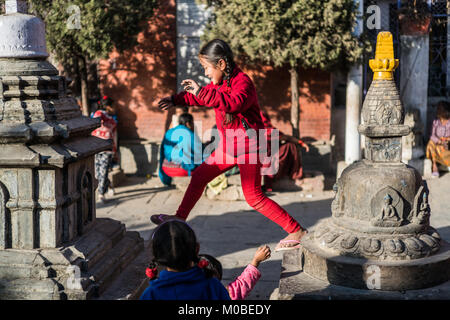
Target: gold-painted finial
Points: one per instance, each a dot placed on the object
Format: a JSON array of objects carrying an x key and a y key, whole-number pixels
[{"x": 384, "y": 64}]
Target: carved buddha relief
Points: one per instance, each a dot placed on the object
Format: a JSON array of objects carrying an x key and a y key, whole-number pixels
[{"x": 387, "y": 208}]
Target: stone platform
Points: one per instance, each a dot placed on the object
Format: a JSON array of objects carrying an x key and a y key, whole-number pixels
[
  {"x": 82, "y": 270},
  {"x": 297, "y": 285}
]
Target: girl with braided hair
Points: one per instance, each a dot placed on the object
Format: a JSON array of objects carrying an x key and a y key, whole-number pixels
[
  {"x": 185, "y": 276},
  {"x": 233, "y": 96}
]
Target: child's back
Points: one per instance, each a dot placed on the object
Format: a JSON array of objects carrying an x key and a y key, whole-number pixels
[
  {"x": 175, "y": 248},
  {"x": 188, "y": 285}
]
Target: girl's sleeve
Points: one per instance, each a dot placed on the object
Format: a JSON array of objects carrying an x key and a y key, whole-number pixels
[
  {"x": 240, "y": 288},
  {"x": 239, "y": 100},
  {"x": 185, "y": 98},
  {"x": 434, "y": 136}
]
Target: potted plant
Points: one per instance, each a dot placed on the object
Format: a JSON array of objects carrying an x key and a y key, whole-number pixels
[{"x": 414, "y": 18}]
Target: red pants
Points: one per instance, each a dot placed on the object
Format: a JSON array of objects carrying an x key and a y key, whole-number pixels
[
  {"x": 251, "y": 186},
  {"x": 175, "y": 172}
]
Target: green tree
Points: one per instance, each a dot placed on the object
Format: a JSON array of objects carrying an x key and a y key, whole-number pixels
[
  {"x": 82, "y": 30},
  {"x": 293, "y": 33}
]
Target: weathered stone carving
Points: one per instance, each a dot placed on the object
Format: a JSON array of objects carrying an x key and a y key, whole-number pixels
[
  {"x": 380, "y": 213},
  {"x": 48, "y": 222},
  {"x": 387, "y": 208},
  {"x": 420, "y": 214}
]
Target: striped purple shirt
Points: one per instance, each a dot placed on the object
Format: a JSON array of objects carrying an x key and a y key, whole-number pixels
[{"x": 439, "y": 130}]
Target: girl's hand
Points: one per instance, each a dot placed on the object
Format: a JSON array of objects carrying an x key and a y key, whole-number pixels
[
  {"x": 306, "y": 147},
  {"x": 263, "y": 253},
  {"x": 190, "y": 86},
  {"x": 165, "y": 103}
]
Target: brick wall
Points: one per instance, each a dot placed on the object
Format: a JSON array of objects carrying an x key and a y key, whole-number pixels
[{"x": 144, "y": 75}]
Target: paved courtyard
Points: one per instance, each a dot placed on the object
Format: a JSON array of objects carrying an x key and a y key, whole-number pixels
[{"x": 231, "y": 230}]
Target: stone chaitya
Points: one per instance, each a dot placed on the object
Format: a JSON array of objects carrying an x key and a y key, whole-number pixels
[
  {"x": 51, "y": 244},
  {"x": 380, "y": 214}
]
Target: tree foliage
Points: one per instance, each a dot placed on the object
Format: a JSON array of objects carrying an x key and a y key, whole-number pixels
[
  {"x": 298, "y": 33},
  {"x": 104, "y": 25},
  {"x": 79, "y": 31},
  {"x": 293, "y": 33}
]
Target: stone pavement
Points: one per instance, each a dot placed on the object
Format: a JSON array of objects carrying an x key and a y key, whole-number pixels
[{"x": 231, "y": 230}]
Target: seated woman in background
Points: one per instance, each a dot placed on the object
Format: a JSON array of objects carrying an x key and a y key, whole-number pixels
[
  {"x": 437, "y": 148},
  {"x": 181, "y": 150},
  {"x": 290, "y": 160}
]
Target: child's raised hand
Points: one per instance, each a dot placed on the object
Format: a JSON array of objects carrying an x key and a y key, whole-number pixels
[
  {"x": 190, "y": 86},
  {"x": 263, "y": 253},
  {"x": 165, "y": 103}
]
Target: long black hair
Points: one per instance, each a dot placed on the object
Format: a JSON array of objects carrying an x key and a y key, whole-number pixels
[
  {"x": 174, "y": 245},
  {"x": 214, "y": 267},
  {"x": 215, "y": 50},
  {"x": 186, "y": 118}
]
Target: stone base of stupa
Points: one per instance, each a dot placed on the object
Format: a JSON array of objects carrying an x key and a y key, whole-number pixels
[
  {"x": 296, "y": 284},
  {"x": 81, "y": 269},
  {"x": 313, "y": 273}
]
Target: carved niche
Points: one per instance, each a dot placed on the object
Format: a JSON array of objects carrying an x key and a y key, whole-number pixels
[
  {"x": 5, "y": 219},
  {"x": 85, "y": 209},
  {"x": 420, "y": 213},
  {"x": 387, "y": 208},
  {"x": 387, "y": 113},
  {"x": 337, "y": 206}
]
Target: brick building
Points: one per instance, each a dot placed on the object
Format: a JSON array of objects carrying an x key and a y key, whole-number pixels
[{"x": 137, "y": 79}]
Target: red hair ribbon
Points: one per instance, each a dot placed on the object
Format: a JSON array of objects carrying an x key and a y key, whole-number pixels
[
  {"x": 203, "y": 263},
  {"x": 151, "y": 273},
  {"x": 105, "y": 97}
]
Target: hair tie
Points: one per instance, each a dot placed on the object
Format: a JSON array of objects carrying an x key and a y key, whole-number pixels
[
  {"x": 105, "y": 97},
  {"x": 151, "y": 273},
  {"x": 203, "y": 263}
]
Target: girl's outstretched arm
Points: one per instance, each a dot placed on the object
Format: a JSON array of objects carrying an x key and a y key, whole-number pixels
[
  {"x": 239, "y": 99},
  {"x": 185, "y": 98}
]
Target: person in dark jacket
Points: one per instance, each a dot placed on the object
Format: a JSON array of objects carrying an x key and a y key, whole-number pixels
[{"x": 184, "y": 277}]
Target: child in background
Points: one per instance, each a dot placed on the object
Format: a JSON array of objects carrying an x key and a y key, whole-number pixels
[
  {"x": 240, "y": 288},
  {"x": 175, "y": 248}
]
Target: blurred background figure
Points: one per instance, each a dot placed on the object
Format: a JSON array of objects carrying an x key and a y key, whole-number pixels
[
  {"x": 290, "y": 157},
  {"x": 176, "y": 117},
  {"x": 438, "y": 146},
  {"x": 178, "y": 148},
  {"x": 108, "y": 131}
]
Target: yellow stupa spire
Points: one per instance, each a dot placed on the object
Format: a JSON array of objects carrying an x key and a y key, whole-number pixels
[{"x": 384, "y": 64}]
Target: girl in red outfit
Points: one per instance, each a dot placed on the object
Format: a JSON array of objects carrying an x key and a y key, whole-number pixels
[{"x": 233, "y": 96}]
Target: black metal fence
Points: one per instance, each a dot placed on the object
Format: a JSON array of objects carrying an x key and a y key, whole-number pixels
[{"x": 439, "y": 79}]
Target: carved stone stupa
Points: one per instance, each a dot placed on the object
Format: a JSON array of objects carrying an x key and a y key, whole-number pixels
[
  {"x": 380, "y": 214},
  {"x": 51, "y": 244}
]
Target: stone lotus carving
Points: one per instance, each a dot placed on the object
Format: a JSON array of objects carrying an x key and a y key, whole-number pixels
[{"x": 379, "y": 246}]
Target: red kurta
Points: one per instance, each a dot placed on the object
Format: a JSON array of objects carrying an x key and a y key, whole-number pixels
[{"x": 239, "y": 99}]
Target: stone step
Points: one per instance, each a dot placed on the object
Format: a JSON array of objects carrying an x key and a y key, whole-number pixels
[
  {"x": 295, "y": 284},
  {"x": 115, "y": 262},
  {"x": 93, "y": 246},
  {"x": 45, "y": 289},
  {"x": 130, "y": 284},
  {"x": 16, "y": 264},
  {"x": 82, "y": 270}
]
